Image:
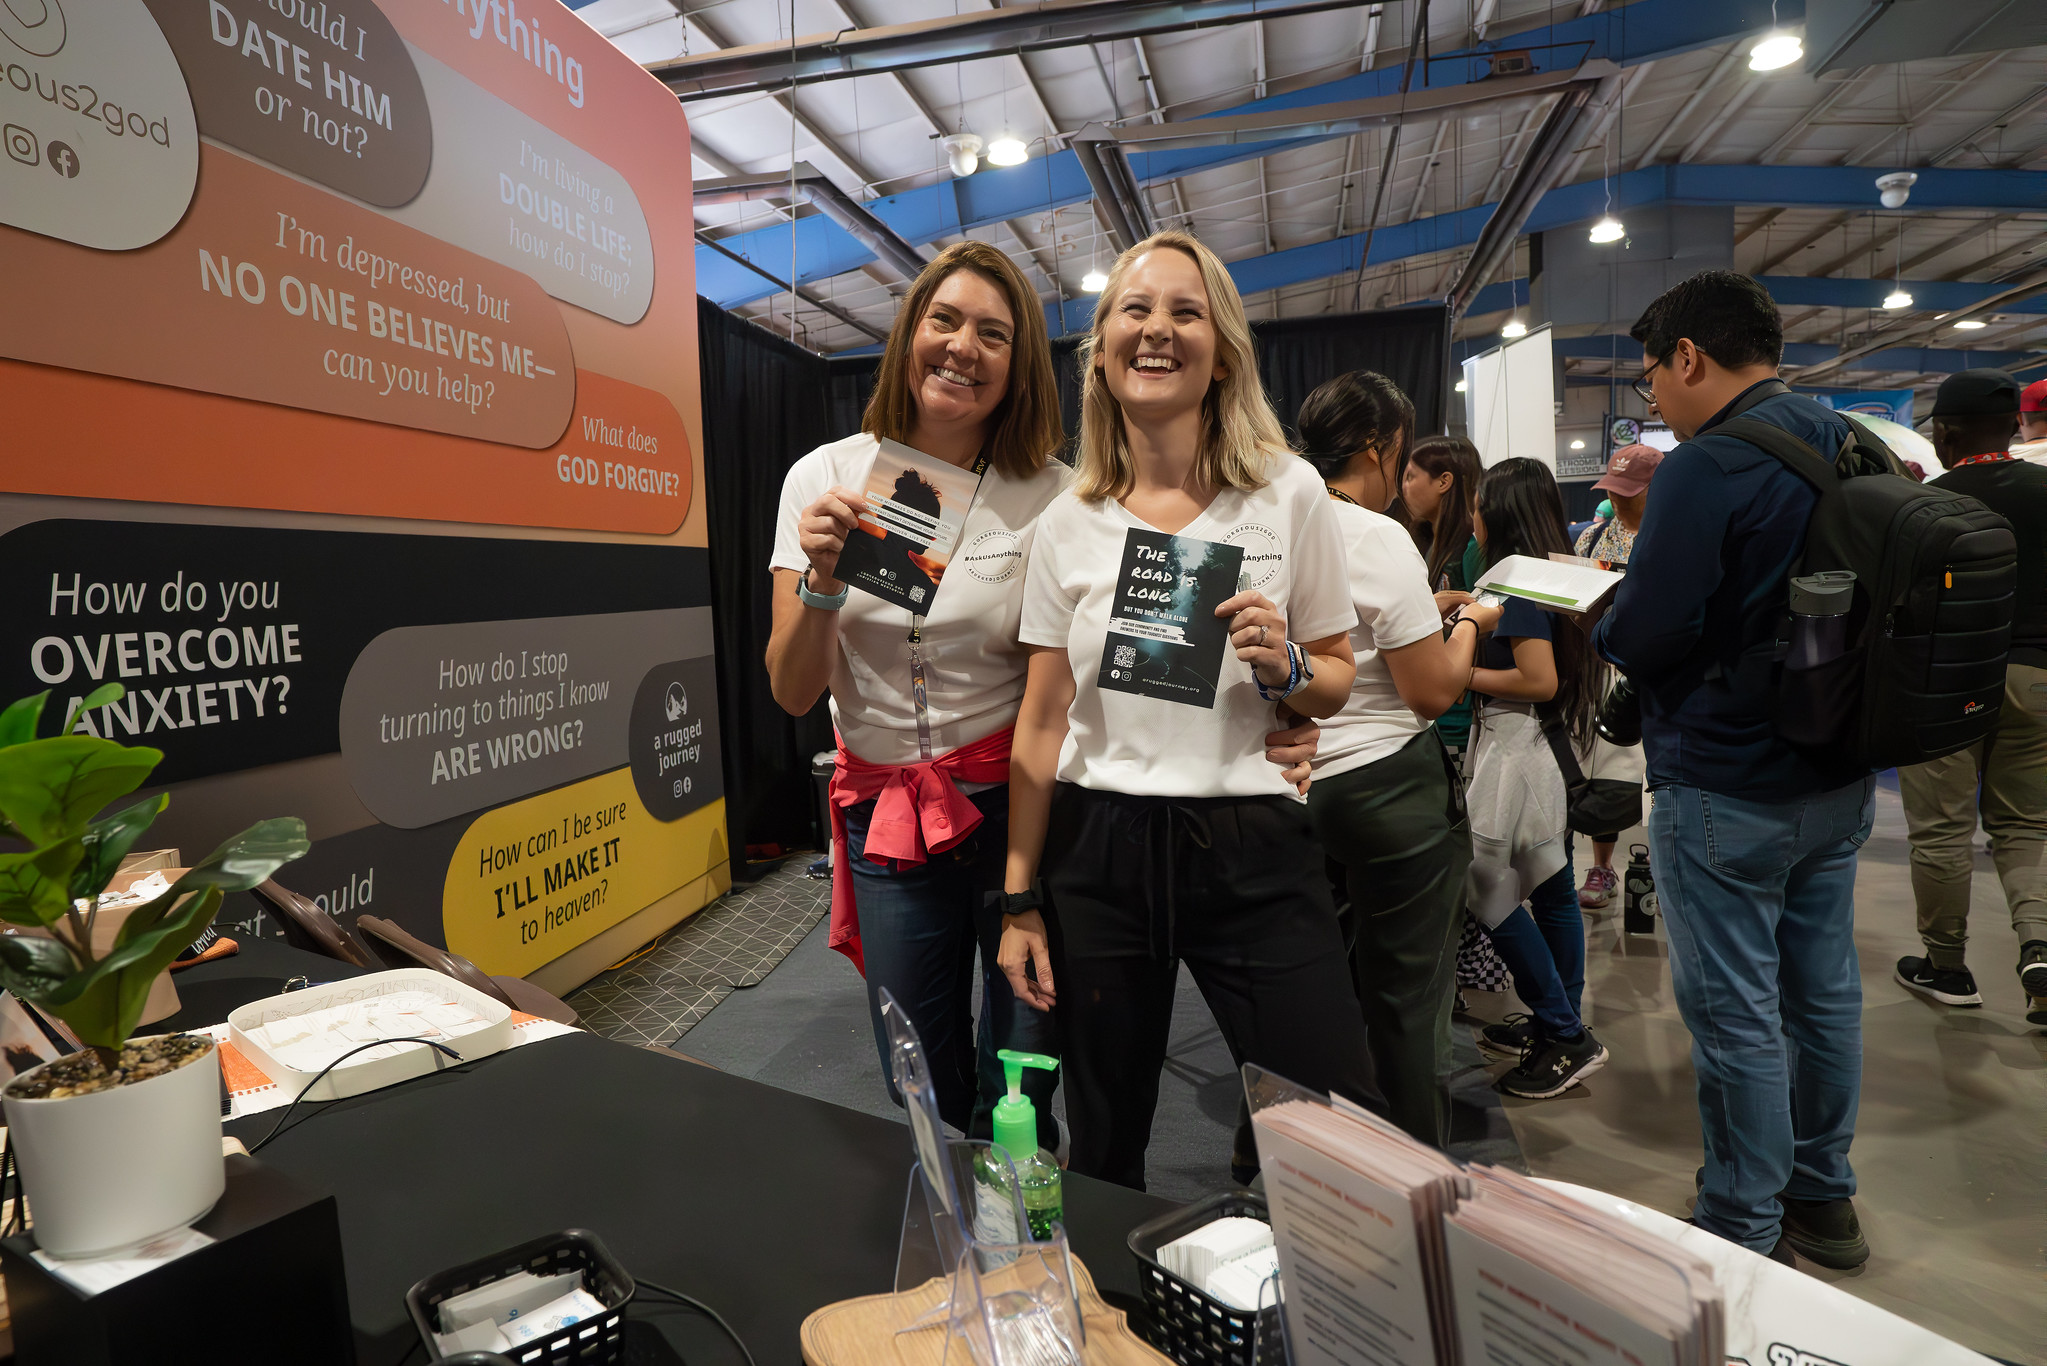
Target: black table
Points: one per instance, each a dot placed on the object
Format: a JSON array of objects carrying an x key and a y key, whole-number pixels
[{"x": 763, "y": 1203}]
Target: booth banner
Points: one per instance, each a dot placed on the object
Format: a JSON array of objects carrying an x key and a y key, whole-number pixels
[{"x": 348, "y": 352}]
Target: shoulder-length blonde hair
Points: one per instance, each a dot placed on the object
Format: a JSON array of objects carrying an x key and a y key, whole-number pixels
[
  {"x": 1240, "y": 434},
  {"x": 1025, "y": 427}
]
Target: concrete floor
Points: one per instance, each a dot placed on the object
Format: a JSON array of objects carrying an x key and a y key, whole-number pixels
[
  {"x": 1951, "y": 1147},
  {"x": 1951, "y": 1143}
]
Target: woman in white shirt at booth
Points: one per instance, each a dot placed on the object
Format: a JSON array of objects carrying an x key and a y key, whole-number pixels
[
  {"x": 919, "y": 795},
  {"x": 1161, "y": 829}
]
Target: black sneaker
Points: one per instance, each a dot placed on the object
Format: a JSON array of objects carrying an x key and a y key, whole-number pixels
[
  {"x": 1781, "y": 1252},
  {"x": 1509, "y": 1038},
  {"x": 1826, "y": 1231},
  {"x": 1949, "y": 986},
  {"x": 1553, "y": 1066},
  {"x": 2033, "y": 970}
]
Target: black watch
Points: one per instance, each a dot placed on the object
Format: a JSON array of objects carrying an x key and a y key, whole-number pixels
[{"x": 1017, "y": 903}]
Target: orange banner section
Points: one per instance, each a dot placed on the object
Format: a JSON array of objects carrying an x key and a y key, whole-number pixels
[
  {"x": 276, "y": 290},
  {"x": 623, "y": 464}
]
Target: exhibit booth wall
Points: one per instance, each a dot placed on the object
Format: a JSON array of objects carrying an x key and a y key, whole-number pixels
[
  {"x": 767, "y": 402},
  {"x": 349, "y": 357}
]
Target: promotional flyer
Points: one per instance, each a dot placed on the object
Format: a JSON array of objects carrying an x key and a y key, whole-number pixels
[{"x": 349, "y": 357}]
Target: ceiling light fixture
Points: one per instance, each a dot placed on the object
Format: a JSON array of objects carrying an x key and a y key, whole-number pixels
[
  {"x": 1774, "y": 51},
  {"x": 1458, "y": 386},
  {"x": 963, "y": 150},
  {"x": 1577, "y": 445},
  {"x": 1971, "y": 324},
  {"x": 1094, "y": 282},
  {"x": 1514, "y": 328},
  {"x": 1897, "y": 299},
  {"x": 1008, "y": 150},
  {"x": 1608, "y": 229}
]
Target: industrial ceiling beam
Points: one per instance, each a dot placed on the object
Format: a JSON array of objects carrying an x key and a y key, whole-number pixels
[
  {"x": 2023, "y": 288},
  {"x": 957, "y": 38},
  {"x": 1541, "y": 167},
  {"x": 1990, "y": 125},
  {"x": 782, "y": 286},
  {"x": 1118, "y": 201},
  {"x": 834, "y": 203}
]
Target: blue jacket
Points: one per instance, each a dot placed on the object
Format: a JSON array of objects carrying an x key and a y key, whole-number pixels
[{"x": 1694, "y": 624}]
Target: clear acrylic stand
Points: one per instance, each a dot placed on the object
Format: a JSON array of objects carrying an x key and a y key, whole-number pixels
[
  {"x": 1015, "y": 1304},
  {"x": 939, "y": 1208}
]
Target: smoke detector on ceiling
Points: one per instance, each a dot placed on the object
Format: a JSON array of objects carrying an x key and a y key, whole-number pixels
[
  {"x": 1896, "y": 188},
  {"x": 963, "y": 150}
]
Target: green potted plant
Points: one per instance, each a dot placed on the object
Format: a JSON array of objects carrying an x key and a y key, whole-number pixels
[{"x": 120, "y": 1142}]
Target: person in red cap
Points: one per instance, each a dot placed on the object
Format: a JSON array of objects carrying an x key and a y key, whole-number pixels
[
  {"x": 1612, "y": 543},
  {"x": 2031, "y": 442}
]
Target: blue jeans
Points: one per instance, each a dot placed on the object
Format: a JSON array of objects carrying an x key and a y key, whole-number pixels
[
  {"x": 1543, "y": 945},
  {"x": 1758, "y": 900},
  {"x": 920, "y": 926}
]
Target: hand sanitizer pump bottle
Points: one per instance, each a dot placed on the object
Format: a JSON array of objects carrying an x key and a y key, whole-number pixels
[{"x": 1037, "y": 1171}]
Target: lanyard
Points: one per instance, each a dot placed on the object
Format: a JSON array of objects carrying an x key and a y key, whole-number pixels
[
  {"x": 1987, "y": 458},
  {"x": 918, "y": 689}
]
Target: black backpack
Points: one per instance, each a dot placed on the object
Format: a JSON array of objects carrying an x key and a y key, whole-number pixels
[{"x": 1936, "y": 582}]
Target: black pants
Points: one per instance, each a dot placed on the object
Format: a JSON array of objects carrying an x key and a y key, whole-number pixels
[
  {"x": 1232, "y": 885},
  {"x": 1398, "y": 829}
]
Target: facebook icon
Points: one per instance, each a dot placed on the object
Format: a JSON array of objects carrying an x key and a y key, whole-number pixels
[{"x": 63, "y": 160}]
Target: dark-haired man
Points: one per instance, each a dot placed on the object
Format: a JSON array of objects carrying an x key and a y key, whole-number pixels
[
  {"x": 1754, "y": 843},
  {"x": 2004, "y": 776}
]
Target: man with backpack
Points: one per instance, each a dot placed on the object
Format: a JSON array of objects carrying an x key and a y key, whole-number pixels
[
  {"x": 1754, "y": 841},
  {"x": 2004, "y": 776}
]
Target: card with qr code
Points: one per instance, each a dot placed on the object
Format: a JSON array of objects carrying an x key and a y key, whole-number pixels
[
  {"x": 1165, "y": 640},
  {"x": 909, "y": 525}
]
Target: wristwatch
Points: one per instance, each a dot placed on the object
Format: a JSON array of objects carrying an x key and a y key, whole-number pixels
[
  {"x": 1018, "y": 903},
  {"x": 824, "y": 602}
]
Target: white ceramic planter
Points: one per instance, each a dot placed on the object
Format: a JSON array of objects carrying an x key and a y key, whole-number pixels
[{"x": 114, "y": 1168}]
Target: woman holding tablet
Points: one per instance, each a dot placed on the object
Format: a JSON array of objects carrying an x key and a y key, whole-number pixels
[
  {"x": 1385, "y": 802},
  {"x": 1191, "y": 578}
]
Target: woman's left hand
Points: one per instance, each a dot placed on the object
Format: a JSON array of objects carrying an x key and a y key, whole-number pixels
[
  {"x": 1258, "y": 632},
  {"x": 1293, "y": 748}
]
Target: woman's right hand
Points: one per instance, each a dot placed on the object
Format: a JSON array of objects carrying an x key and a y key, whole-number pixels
[
  {"x": 822, "y": 529},
  {"x": 1485, "y": 615},
  {"x": 1449, "y": 600},
  {"x": 1025, "y": 947}
]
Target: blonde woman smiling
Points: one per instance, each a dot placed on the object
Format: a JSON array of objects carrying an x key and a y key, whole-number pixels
[{"x": 1160, "y": 827}]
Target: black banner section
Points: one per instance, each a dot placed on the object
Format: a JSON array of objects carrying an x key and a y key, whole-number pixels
[
  {"x": 673, "y": 736},
  {"x": 235, "y": 642}
]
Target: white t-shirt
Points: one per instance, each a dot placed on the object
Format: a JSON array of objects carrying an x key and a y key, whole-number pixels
[
  {"x": 973, "y": 666},
  {"x": 1389, "y": 586},
  {"x": 1146, "y": 746}
]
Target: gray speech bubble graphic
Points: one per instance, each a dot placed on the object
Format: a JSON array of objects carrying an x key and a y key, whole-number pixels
[{"x": 440, "y": 720}]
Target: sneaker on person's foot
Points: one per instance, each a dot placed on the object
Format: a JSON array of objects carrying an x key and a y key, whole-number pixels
[
  {"x": 1826, "y": 1231},
  {"x": 1509, "y": 1038},
  {"x": 2033, "y": 969},
  {"x": 1599, "y": 887},
  {"x": 1553, "y": 1066},
  {"x": 2036, "y": 1010},
  {"x": 1780, "y": 1252},
  {"x": 1949, "y": 986}
]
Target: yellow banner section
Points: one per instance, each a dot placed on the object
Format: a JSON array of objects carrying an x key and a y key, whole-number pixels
[{"x": 534, "y": 879}]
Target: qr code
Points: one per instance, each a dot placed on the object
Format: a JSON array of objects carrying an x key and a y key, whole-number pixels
[
  {"x": 916, "y": 595},
  {"x": 1126, "y": 656}
]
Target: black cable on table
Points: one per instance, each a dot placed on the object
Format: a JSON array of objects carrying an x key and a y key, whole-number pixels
[
  {"x": 439, "y": 1047},
  {"x": 694, "y": 1303}
]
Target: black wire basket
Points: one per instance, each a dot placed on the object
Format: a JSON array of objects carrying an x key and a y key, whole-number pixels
[
  {"x": 1188, "y": 1325},
  {"x": 592, "y": 1342}
]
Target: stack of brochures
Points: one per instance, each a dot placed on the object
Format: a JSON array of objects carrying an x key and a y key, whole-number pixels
[
  {"x": 1392, "y": 1254},
  {"x": 1561, "y": 583}
]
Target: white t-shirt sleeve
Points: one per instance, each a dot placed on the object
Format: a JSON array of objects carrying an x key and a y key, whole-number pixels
[
  {"x": 1048, "y": 606},
  {"x": 1391, "y": 586},
  {"x": 1319, "y": 604},
  {"x": 806, "y": 480}
]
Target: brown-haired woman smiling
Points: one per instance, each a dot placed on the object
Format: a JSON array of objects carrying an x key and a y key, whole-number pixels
[
  {"x": 1164, "y": 831},
  {"x": 923, "y": 705}
]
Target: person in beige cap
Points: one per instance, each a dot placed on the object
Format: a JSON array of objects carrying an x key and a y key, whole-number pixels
[
  {"x": 1626, "y": 485},
  {"x": 2002, "y": 779},
  {"x": 1612, "y": 543}
]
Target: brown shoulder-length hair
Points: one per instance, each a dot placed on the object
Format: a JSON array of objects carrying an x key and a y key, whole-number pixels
[
  {"x": 1025, "y": 428},
  {"x": 1240, "y": 434}
]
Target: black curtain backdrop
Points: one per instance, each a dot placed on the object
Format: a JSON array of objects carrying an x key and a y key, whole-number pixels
[{"x": 768, "y": 402}]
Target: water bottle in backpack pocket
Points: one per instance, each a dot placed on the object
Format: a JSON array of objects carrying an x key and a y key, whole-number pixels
[{"x": 1818, "y": 666}]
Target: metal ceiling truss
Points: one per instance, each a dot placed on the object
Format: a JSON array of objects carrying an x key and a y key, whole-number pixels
[
  {"x": 834, "y": 203},
  {"x": 1013, "y": 29}
]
